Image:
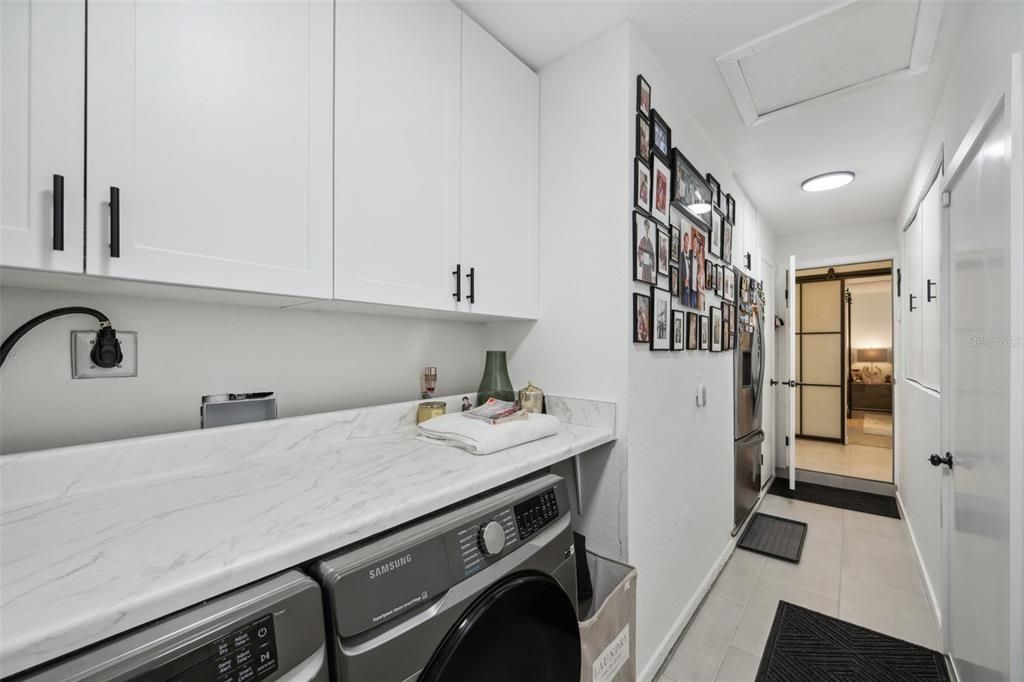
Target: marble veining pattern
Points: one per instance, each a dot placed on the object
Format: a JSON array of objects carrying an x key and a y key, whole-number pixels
[{"x": 83, "y": 560}]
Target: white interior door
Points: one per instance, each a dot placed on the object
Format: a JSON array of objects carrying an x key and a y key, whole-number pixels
[
  {"x": 980, "y": 392},
  {"x": 791, "y": 323},
  {"x": 768, "y": 354}
]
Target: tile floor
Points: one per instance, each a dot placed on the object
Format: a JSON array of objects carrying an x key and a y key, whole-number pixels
[
  {"x": 855, "y": 429},
  {"x": 859, "y": 461},
  {"x": 858, "y": 567}
]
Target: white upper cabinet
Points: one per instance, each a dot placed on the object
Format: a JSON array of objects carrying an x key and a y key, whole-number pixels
[
  {"x": 931, "y": 253},
  {"x": 912, "y": 299},
  {"x": 397, "y": 158},
  {"x": 499, "y": 177},
  {"x": 213, "y": 122},
  {"x": 42, "y": 136}
]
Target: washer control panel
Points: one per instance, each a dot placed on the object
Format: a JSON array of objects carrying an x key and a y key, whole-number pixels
[
  {"x": 536, "y": 512},
  {"x": 477, "y": 541}
]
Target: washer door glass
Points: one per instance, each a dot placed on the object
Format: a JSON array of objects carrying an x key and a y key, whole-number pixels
[{"x": 524, "y": 628}]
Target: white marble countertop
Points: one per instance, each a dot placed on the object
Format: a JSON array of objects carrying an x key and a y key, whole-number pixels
[{"x": 99, "y": 539}]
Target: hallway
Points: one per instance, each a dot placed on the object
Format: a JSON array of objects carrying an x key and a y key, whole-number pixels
[{"x": 858, "y": 567}]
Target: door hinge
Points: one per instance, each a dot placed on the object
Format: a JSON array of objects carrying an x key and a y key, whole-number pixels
[
  {"x": 945, "y": 199},
  {"x": 787, "y": 441}
]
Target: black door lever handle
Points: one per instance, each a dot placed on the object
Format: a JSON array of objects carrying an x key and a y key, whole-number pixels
[
  {"x": 939, "y": 461},
  {"x": 773, "y": 382}
]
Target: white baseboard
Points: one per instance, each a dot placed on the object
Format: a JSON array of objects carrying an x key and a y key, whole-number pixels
[{"x": 929, "y": 589}]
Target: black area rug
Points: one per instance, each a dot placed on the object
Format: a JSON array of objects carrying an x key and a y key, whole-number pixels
[
  {"x": 807, "y": 646},
  {"x": 854, "y": 500},
  {"x": 775, "y": 536}
]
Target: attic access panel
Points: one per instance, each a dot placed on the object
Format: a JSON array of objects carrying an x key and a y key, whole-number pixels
[{"x": 836, "y": 51}]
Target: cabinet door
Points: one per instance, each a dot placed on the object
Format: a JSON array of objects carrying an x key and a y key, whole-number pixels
[
  {"x": 931, "y": 253},
  {"x": 912, "y": 299},
  {"x": 397, "y": 153},
  {"x": 213, "y": 120},
  {"x": 42, "y": 108},
  {"x": 499, "y": 175}
]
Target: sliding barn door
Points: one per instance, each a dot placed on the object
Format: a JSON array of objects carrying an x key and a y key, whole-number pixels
[{"x": 819, "y": 344}]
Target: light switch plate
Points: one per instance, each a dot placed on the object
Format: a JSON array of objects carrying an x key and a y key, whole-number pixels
[{"x": 82, "y": 366}]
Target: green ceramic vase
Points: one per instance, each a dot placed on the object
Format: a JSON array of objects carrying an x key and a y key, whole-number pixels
[{"x": 495, "y": 382}]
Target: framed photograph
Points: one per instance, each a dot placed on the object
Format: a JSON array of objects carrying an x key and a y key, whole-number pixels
[
  {"x": 726, "y": 336},
  {"x": 645, "y": 249},
  {"x": 642, "y": 186},
  {"x": 678, "y": 330},
  {"x": 727, "y": 242},
  {"x": 730, "y": 209},
  {"x": 716, "y": 330},
  {"x": 661, "y": 136},
  {"x": 676, "y": 244},
  {"x": 709, "y": 276},
  {"x": 661, "y": 319},
  {"x": 663, "y": 248},
  {"x": 697, "y": 242},
  {"x": 641, "y": 318},
  {"x": 717, "y": 222},
  {"x": 643, "y": 95},
  {"x": 643, "y": 137},
  {"x": 716, "y": 190},
  {"x": 705, "y": 340},
  {"x": 692, "y": 331},
  {"x": 686, "y": 285},
  {"x": 691, "y": 191},
  {"x": 661, "y": 187},
  {"x": 729, "y": 285},
  {"x": 673, "y": 280},
  {"x": 718, "y": 279}
]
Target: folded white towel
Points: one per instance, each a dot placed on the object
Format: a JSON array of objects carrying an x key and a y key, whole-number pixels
[{"x": 481, "y": 438}]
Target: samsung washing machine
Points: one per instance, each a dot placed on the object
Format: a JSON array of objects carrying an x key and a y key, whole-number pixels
[{"x": 483, "y": 591}]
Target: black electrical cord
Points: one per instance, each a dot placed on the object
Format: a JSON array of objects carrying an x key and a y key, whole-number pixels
[{"x": 107, "y": 351}]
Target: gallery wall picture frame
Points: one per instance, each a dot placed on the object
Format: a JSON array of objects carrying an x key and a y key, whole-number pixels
[
  {"x": 716, "y": 190},
  {"x": 645, "y": 248},
  {"x": 690, "y": 191},
  {"x": 661, "y": 187},
  {"x": 727, "y": 242},
  {"x": 715, "y": 237},
  {"x": 678, "y": 330},
  {"x": 716, "y": 330},
  {"x": 705, "y": 341},
  {"x": 661, "y": 136},
  {"x": 661, "y": 319},
  {"x": 729, "y": 285},
  {"x": 664, "y": 240},
  {"x": 643, "y": 95},
  {"x": 641, "y": 318},
  {"x": 676, "y": 244},
  {"x": 643, "y": 136},
  {"x": 642, "y": 185},
  {"x": 730, "y": 209},
  {"x": 673, "y": 280},
  {"x": 725, "y": 326},
  {"x": 692, "y": 331},
  {"x": 709, "y": 276}
]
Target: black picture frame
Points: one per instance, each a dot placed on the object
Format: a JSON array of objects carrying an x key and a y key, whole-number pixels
[
  {"x": 716, "y": 233},
  {"x": 642, "y": 194},
  {"x": 716, "y": 329},
  {"x": 690, "y": 191},
  {"x": 643, "y": 136},
  {"x": 645, "y": 226},
  {"x": 705, "y": 333},
  {"x": 643, "y": 95},
  {"x": 727, "y": 242},
  {"x": 692, "y": 331},
  {"x": 678, "y": 330},
  {"x": 673, "y": 280},
  {"x": 661, "y": 136},
  {"x": 661, "y": 319},
  {"x": 641, "y": 318},
  {"x": 664, "y": 246},
  {"x": 661, "y": 189},
  {"x": 730, "y": 209},
  {"x": 709, "y": 276},
  {"x": 676, "y": 243},
  {"x": 716, "y": 190}
]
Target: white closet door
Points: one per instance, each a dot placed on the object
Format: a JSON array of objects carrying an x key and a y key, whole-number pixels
[
  {"x": 499, "y": 175},
  {"x": 42, "y": 134},
  {"x": 213, "y": 120},
  {"x": 912, "y": 300},
  {"x": 931, "y": 253},
  {"x": 397, "y": 153}
]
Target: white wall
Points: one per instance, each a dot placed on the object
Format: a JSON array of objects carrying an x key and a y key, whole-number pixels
[
  {"x": 315, "y": 361},
  {"x": 871, "y": 325},
  {"x": 834, "y": 244}
]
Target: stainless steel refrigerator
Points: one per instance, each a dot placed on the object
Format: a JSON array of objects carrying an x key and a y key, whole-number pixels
[{"x": 748, "y": 392}]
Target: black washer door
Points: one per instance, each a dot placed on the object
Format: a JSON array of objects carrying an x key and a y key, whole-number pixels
[{"x": 523, "y": 629}]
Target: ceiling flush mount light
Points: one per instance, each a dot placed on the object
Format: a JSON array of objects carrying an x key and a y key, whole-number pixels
[{"x": 827, "y": 181}]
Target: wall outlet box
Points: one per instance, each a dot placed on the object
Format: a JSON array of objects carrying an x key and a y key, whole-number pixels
[{"x": 82, "y": 366}]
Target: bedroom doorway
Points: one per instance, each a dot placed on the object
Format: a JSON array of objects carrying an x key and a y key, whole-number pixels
[{"x": 845, "y": 371}]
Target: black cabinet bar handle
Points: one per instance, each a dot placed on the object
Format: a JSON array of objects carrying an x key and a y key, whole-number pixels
[
  {"x": 472, "y": 285},
  {"x": 457, "y": 273},
  {"x": 931, "y": 296},
  {"x": 58, "y": 212},
  {"x": 115, "y": 222},
  {"x": 912, "y": 308}
]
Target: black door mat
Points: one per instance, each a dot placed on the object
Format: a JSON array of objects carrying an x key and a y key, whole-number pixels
[
  {"x": 854, "y": 500},
  {"x": 807, "y": 646},
  {"x": 775, "y": 536}
]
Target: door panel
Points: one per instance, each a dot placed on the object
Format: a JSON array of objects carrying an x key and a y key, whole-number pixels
[
  {"x": 912, "y": 300},
  {"x": 820, "y": 341},
  {"x": 42, "y": 108},
  {"x": 978, "y": 391},
  {"x": 822, "y": 411},
  {"x": 214, "y": 121},
  {"x": 931, "y": 251},
  {"x": 822, "y": 358},
  {"x": 397, "y": 153}
]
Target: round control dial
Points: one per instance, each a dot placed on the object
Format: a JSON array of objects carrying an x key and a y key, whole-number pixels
[{"x": 491, "y": 538}]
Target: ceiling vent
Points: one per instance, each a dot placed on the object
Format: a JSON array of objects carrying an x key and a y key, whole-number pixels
[{"x": 836, "y": 51}]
